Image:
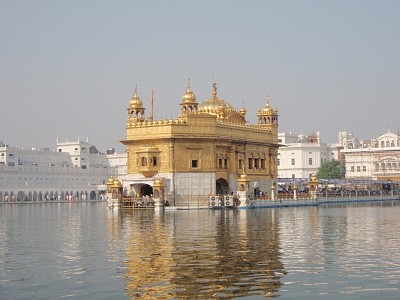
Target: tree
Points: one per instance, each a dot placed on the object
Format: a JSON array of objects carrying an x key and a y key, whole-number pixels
[{"x": 331, "y": 169}]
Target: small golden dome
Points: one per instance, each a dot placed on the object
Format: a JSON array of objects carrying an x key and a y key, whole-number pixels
[
  {"x": 110, "y": 180},
  {"x": 242, "y": 110},
  {"x": 136, "y": 102},
  {"x": 117, "y": 182},
  {"x": 158, "y": 181},
  {"x": 267, "y": 108},
  {"x": 243, "y": 176},
  {"x": 313, "y": 178},
  {"x": 188, "y": 97}
]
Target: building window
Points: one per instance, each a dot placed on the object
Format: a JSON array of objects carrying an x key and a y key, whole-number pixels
[
  {"x": 293, "y": 162},
  {"x": 263, "y": 164},
  {"x": 364, "y": 169},
  {"x": 194, "y": 163},
  {"x": 352, "y": 169},
  {"x": 256, "y": 163},
  {"x": 83, "y": 167},
  {"x": 310, "y": 161},
  {"x": 220, "y": 163},
  {"x": 144, "y": 161},
  {"x": 154, "y": 161},
  {"x": 250, "y": 163},
  {"x": 358, "y": 169},
  {"x": 240, "y": 164},
  {"x": 225, "y": 163}
]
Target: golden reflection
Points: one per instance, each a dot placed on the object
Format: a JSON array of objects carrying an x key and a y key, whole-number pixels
[{"x": 202, "y": 254}]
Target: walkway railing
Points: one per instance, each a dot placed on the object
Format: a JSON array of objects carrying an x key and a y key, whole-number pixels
[{"x": 137, "y": 203}]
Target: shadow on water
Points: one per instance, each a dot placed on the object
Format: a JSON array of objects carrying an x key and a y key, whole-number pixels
[{"x": 202, "y": 254}]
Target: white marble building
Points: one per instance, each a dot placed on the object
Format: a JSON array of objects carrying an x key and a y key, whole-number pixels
[
  {"x": 301, "y": 156},
  {"x": 74, "y": 170},
  {"x": 378, "y": 158}
]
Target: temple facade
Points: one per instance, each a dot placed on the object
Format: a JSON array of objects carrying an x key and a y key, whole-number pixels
[{"x": 202, "y": 152}]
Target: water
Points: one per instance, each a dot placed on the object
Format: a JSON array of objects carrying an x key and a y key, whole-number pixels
[{"x": 85, "y": 251}]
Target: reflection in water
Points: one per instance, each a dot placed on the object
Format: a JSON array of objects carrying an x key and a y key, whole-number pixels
[
  {"x": 202, "y": 254},
  {"x": 339, "y": 251},
  {"x": 85, "y": 251}
]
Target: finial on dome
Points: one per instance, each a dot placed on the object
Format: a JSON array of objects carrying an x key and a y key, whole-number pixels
[
  {"x": 135, "y": 91},
  {"x": 188, "y": 86},
  {"x": 214, "y": 91},
  {"x": 242, "y": 110}
]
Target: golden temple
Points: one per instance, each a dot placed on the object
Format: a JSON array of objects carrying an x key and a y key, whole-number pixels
[{"x": 202, "y": 152}]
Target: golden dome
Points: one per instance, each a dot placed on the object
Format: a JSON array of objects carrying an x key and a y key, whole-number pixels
[
  {"x": 267, "y": 108},
  {"x": 117, "y": 182},
  {"x": 158, "y": 181},
  {"x": 136, "y": 102},
  {"x": 242, "y": 110},
  {"x": 188, "y": 97},
  {"x": 223, "y": 110},
  {"x": 110, "y": 180},
  {"x": 215, "y": 105}
]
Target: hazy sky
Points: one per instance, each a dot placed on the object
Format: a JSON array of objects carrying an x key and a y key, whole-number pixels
[{"x": 69, "y": 68}]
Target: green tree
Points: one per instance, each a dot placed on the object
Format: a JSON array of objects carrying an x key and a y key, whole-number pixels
[{"x": 331, "y": 169}]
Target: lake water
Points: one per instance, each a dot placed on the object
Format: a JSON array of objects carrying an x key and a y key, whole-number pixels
[{"x": 86, "y": 251}]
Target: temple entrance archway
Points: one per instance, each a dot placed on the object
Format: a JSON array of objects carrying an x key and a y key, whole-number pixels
[
  {"x": 146, "y": 190},
  {"x": 222, "y": 187}
]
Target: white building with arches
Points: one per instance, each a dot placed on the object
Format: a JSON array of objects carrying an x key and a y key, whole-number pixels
[
  {"x": 75, "y": 170},
  {"x": 378, "y": 158}
]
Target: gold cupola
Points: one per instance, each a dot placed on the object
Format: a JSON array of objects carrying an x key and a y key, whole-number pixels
[
  {"x": 267, "y": 115},
  {"x": 222, "y": 109},
  {"x": 136, "y": 109},
  {"x": 188, "y": 104},
  {"x": 243, "y": 111}
]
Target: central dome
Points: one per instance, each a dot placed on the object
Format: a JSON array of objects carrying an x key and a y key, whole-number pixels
[
  {"x": 214, "y": 104},
  {"x": 222, "y": 109}
]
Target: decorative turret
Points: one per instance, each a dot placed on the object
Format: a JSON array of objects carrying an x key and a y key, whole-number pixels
[
  {"x": 158, "y": 192},
  {"x": 136, "y": 109},
  {"x": 189, "y": 104},
  {"x": 268, "y": 116},
  {"x": 244, "y": 188},
  {"x": 313, "y": 187},
  {"x": 114, "y": 192},
  {"x": 243, "y": 111}
]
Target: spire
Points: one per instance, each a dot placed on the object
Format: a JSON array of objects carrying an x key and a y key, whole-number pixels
[
  {"x": 267, "y": 103},
  {"x": 214, "y": 91}
]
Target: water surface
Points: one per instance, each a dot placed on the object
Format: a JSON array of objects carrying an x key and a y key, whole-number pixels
[{"x": 85, "y": 251}]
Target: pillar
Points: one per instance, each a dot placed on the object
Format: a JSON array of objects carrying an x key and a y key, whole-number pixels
[
  {"x": 244, "y": 188},
  {"x": 158, "y": 193}
]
